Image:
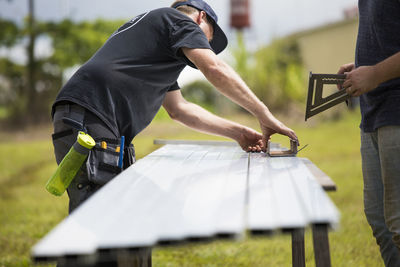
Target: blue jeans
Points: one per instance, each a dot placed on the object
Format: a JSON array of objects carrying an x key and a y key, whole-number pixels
[{"x": 380, "y": 151}]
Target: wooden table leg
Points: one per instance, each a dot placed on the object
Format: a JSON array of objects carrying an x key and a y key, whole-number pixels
[
  {"x": 140, "y": 257},
  {"x": 298, "y": 257},
  {"x": 321, "y": 245}
]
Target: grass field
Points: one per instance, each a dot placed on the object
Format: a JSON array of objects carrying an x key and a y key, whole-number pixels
[{"x": 28, "y": 212}]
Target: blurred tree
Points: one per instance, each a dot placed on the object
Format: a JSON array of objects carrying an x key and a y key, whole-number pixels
[
  {"x": 11, "y": 83},
  {"x": 202, "y": 93},
  {"x": 28, "y": 91},
  {"x": 9, "y": 33},
  {"x": 32, "y": 103},
  {"x": 278, "y": 74},
  {"x": 205, "y": 94},
  {"x": 75, "y": 43},
  {"x": 12, "y": 75},
  {"x": 274, "y": 72},
  {"x": 241, "y": 56}
]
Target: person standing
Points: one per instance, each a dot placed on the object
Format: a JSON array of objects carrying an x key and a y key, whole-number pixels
[
  {"x": 375, "y": 78},
  {"x": 119, "y": 90}
]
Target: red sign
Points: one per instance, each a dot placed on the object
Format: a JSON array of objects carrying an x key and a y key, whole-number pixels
[{"x": 240, "y": 14}]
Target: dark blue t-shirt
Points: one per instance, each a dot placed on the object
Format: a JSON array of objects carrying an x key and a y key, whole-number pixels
[
  {"x": 126, "y": 80},
  {"x": 378, "y": 39}
]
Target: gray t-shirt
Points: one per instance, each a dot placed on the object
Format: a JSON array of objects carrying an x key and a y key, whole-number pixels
[
  {"x": 126, "y": 80},
  {"x": 378, "y": 39}
]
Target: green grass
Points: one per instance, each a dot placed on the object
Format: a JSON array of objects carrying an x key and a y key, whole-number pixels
[{"x": 28, "y": 212}]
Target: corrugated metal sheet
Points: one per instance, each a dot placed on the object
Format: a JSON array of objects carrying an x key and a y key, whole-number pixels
[{"x": 185, "y": 192}]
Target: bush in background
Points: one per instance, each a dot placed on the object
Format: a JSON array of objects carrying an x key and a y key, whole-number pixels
[{"x": 275, "y": 72}]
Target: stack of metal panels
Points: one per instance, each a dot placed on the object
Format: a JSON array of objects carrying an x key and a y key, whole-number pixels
[{"x": 191, "y": 192}]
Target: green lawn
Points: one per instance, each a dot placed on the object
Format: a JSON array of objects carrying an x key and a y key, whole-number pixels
[{"x": 28, "y": 212}]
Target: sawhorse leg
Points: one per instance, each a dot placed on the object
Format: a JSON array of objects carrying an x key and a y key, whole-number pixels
[
  {"x": 137, "y": 258},
  {"x": 321, "y": 245},
  {"x": 298, "y": 258}
]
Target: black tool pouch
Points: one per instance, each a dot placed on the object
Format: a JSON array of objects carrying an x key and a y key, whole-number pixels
[
  {"x": 129, "y": 156},
  {"x": 102, "y": 163}
]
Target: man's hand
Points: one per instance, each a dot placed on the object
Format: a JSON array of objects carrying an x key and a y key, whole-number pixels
[
  {"x": 366, "y": 78},
  {"x": 361, "y": 80},
  {"x": 346, "y": 68},
  {"x": 343, "y": 69},
  {"x": 251, "y": 141},
  {"x": 275, "y": 126}
]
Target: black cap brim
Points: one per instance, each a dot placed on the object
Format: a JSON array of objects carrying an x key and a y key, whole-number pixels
[{"x": 219, "y": 41}]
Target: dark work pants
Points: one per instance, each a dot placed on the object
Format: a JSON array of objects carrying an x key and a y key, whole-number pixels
[
  {"x": 67, "y": 117},
  {"x": 381, "y": 172},
  {"x": 80, "y": 188}
]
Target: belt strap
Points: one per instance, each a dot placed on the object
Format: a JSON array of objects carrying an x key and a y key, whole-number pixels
[{"x": 71, "y": 114}]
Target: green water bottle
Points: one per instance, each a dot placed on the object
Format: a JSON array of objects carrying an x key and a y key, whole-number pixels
[{"x": 70, "y": 164}]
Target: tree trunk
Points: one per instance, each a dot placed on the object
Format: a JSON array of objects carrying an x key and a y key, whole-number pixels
[{"x": 31, "y": 94}]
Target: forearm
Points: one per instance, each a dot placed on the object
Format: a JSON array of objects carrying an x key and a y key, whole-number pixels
[
  {"x": 366, "y": 78},
  {"x": 229, "y": 83},
  {"x": 201, "y": 120},
  {"x": 388, "y": 69}
]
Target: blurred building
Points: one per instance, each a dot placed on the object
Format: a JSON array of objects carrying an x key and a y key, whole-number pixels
[{"x": 324, "y": 49}]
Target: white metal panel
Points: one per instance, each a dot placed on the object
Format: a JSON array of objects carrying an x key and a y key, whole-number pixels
[
  {"x": 287, "y": 189},
  {"x": 89, "y": 223},
  {"x": 179, "y": 191},
  {"x": 184, "y": 191},
  {"x": 273, "y": 200},
  {"x": 319, "y": 208}
]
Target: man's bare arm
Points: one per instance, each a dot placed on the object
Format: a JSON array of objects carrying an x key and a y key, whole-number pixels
[
  {"x": 225, "y": 79},
  {"x": 229, "y": 83},
  {"x": 201, "y": 120},
  {"x": 389, "y": 68}
]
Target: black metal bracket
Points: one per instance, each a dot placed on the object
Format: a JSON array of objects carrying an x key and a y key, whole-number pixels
[
  {"x": 316, "y": 103},
  {"x": 280, "y": 152}
]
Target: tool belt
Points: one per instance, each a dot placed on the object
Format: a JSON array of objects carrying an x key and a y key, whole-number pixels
[
  {"x": 102, "y": 163},
  {"x": 103, "y": 158}
]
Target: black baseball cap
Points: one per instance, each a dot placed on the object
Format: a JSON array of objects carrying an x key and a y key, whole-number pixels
[{"x": 219, "y": 40}]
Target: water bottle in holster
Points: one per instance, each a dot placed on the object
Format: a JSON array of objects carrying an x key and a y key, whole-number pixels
[{"x": 70, "y": 165}]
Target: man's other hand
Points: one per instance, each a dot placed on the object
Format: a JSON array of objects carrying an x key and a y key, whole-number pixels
[
  {"x": 360, "y": 80},
  {"x": 273, "y": 126},
  {"x": 251, "y": 141},
  {"x": 343, "y": 69}
]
